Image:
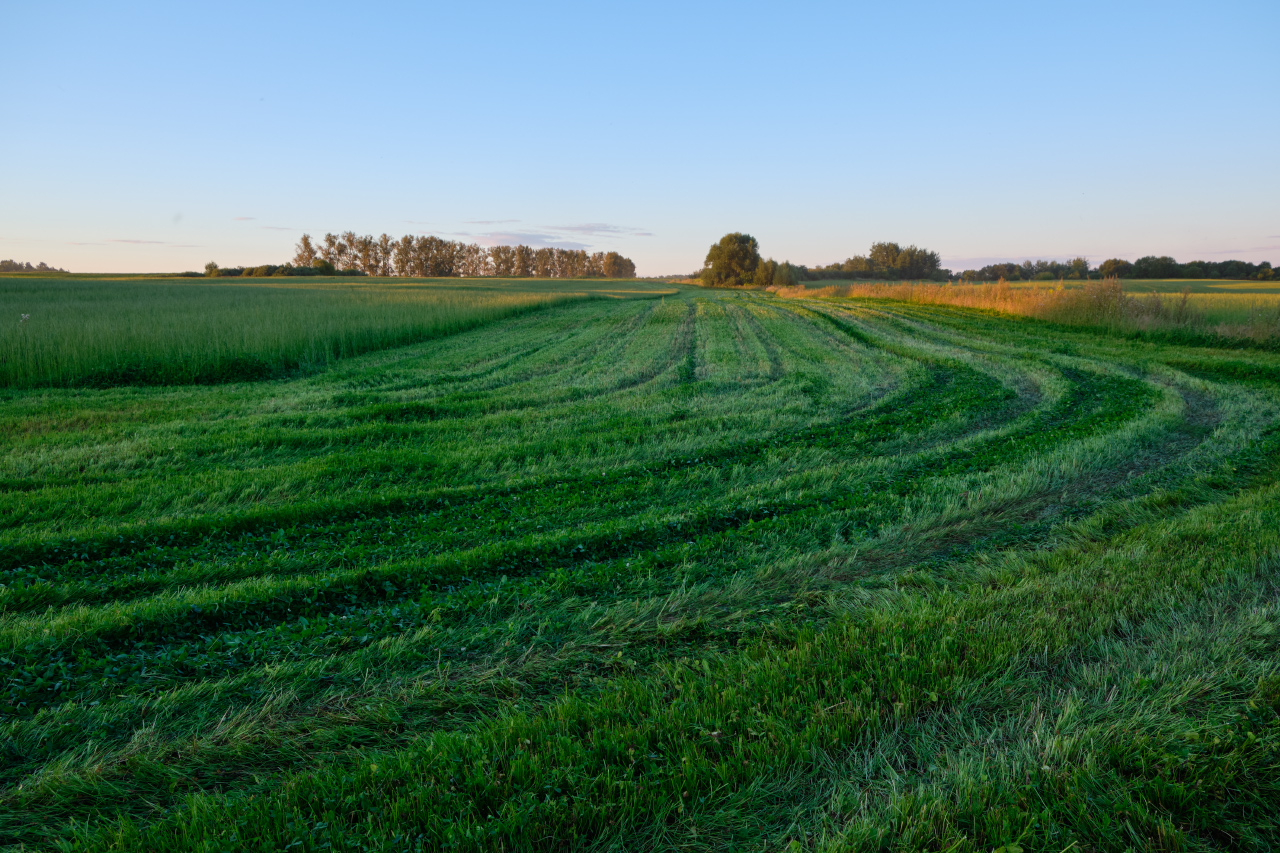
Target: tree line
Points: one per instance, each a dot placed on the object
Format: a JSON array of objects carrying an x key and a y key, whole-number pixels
[
  {"x": 1149, "y": 267},
  {"x": 1166, "y": 267},
  {"x": 735, "y": 261},
  {"x": 888, "y": 261},
  {"x": 19, "y": 266},
  {"x": 1076, "y": 269},
  {"x": 433, "y": 257}
]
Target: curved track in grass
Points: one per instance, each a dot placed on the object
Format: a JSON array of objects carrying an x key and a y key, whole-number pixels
[{"x": 664, "y": 574}]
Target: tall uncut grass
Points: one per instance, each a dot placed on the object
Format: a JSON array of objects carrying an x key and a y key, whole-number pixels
[
  {"x": 66, "y": 332},
  {"x": 1097, "y": 303}
]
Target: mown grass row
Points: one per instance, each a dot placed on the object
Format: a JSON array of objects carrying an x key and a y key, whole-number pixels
[
  {"x": 691, "y": 745},
  {"x": 716, "y": 511}
]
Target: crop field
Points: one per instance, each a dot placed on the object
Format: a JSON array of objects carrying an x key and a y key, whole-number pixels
[
  {"x": 680, "y": 569},
  {"x": 96, "y": 331}
]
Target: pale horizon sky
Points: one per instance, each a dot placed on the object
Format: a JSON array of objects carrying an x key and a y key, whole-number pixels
[{"x": 157, "y": 137}]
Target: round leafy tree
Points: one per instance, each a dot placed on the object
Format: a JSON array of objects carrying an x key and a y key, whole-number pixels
[{"x": 732, "y": 262}]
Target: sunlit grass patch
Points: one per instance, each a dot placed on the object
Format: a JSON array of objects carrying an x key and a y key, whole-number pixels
[{"x": 1244, "y": 312}]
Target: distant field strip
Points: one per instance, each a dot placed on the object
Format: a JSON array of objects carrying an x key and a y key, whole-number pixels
[
  {"x": 1180, "y": 311},
  {"x": 710, "y": 571}
]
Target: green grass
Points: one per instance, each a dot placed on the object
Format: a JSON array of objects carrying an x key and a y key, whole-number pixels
[
  {"x": 100, "y": 332},
  {"x": 714, "y": 571},
  {"x": 1200, "y": 285}
]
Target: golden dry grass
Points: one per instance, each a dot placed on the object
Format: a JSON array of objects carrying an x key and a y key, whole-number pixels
[{"x": 1099, "y": 303}]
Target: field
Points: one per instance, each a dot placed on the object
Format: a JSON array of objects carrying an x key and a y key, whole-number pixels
[
  {"x": 96, "y": 331},
  {"x": 676, "y": 569},
  {"x": 1186, "y": 308}
]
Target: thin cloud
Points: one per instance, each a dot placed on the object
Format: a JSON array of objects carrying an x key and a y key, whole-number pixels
[
  {"x": 146, "y": 243},
  {"x": 533, "y": 239},
  {"x": 490, "y": 221},
  {"x": 1246, "y": 251},
  {"x": 243, "y": 218},
  {"x": 600, "y": 229}
]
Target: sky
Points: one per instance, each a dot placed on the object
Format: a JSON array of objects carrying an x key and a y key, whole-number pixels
[{"x": 149, "y": 137}]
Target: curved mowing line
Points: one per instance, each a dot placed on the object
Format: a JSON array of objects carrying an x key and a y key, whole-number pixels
[
  {"x": 1094, "y": 405},
  {"x": 18, "y": 555},
  {"x": 228, "y": 690},
  {"x": 88, "y": 806},
  {"x": 624, "y": 484},
  {"x": 97, "y": 650}
]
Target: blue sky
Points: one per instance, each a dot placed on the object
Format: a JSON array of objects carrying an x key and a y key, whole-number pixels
[{"x": 156, "y": 137}]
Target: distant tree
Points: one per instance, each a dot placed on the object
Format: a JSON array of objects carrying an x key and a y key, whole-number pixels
[
  {"x": 211, "y": 270},
  {"x": 1115, "y": 268},
  {"x": 731, "y": 262},
  {"x": 859, "y": 266},
  {"x": 764, "y": 273},
  {"x": 473, "y": 260},
  {"x": 348, "y": 251},
  {"x": 306, "y": 253},
  {"x": 616, "y": 266},
  {"x": 571, "y": 263},
  {"x": 385, "y": 252},
  {"x": 362, "y": 253},
  {"x": 428, "y": 256},
  {"x": 402, "y": 256},
  {"x": 524, "y": 261},
  {"x": 994, "y": 272},
  {"x": 443, "y": 256},
  {"x": 1236, "y": 269},
  {"x": 884, "y": 258},
  {"x": 503, "y": 259},
  {"x": 1153, "y": 267},
  {"x": 544, "y": 263},
  {"x": 595, "y": 265},
  {"x": 912, "y": 262},
  {"x": 19, "y": 266},
  {"x": 784, "y": 275},
  {"x": 328, "y": 250}
]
